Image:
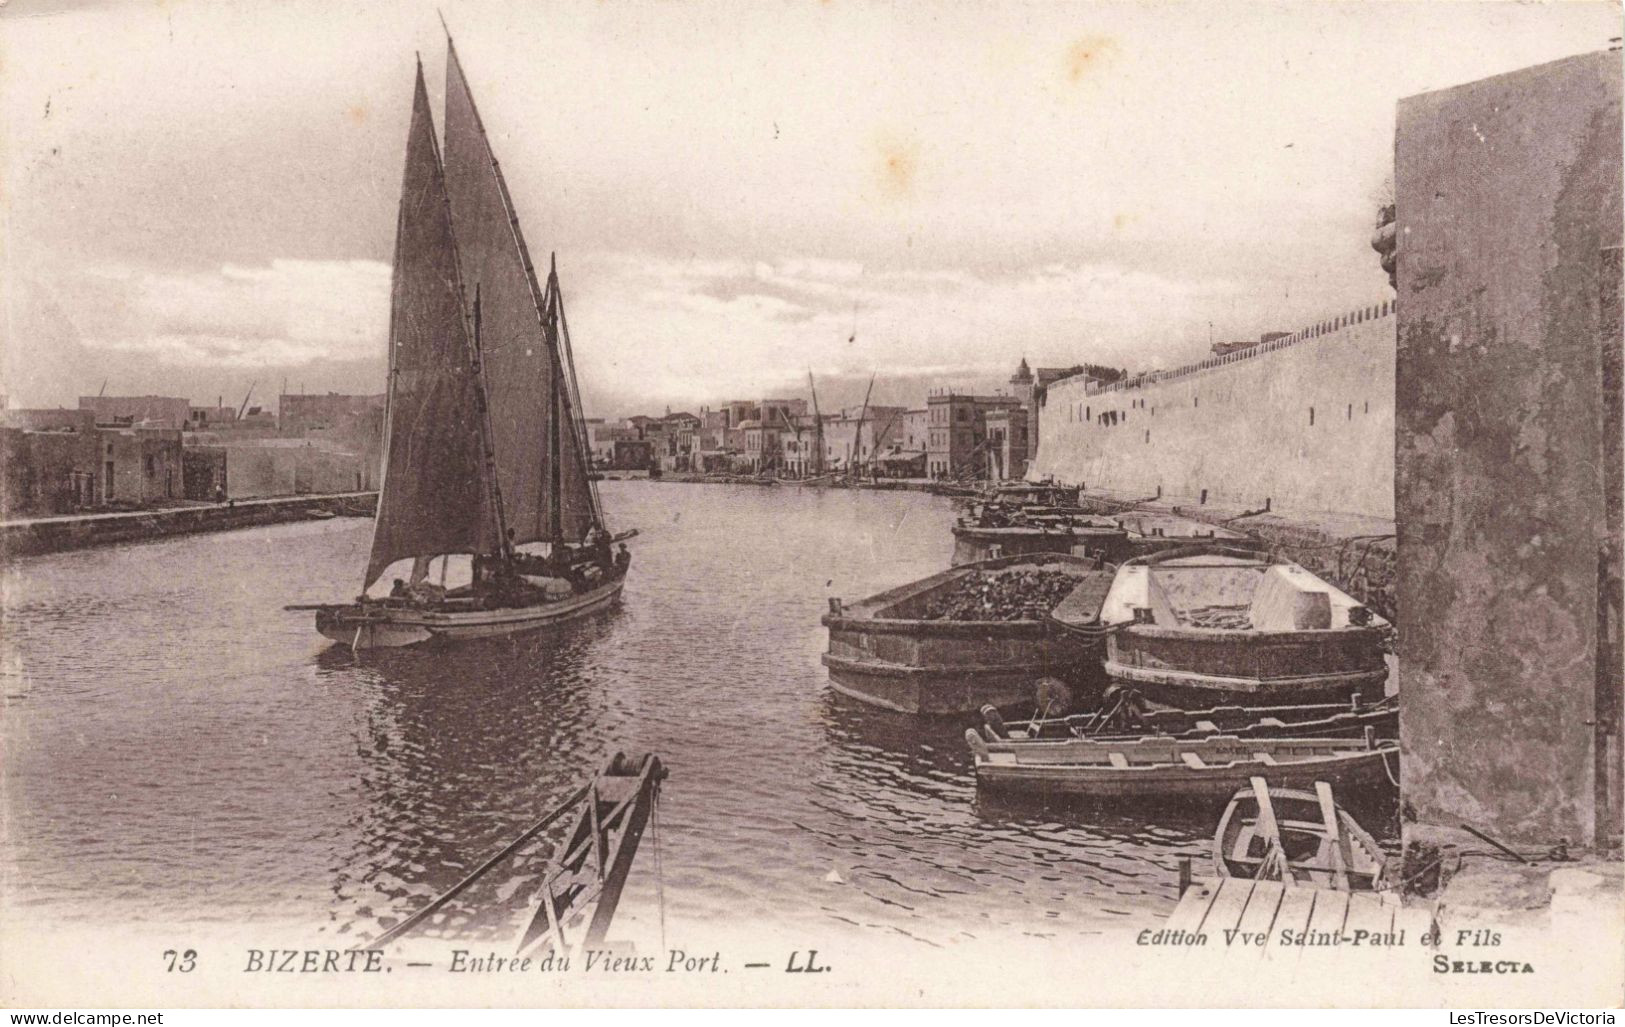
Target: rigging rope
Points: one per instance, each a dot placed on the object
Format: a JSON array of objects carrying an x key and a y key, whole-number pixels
[
  {"x": 1392, "y": 777},
  {"x": 660, "y": 872}
]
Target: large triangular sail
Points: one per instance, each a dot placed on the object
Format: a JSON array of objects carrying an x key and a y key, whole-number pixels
[
  {"x": 435, "y": 496},
  {"x": 541, "y": 454}
]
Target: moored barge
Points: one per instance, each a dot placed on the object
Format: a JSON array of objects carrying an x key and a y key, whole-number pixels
[{"x": 925, "y": 648}]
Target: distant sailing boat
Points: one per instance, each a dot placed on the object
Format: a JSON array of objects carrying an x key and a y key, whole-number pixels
[{"x": 485, "y": 445}]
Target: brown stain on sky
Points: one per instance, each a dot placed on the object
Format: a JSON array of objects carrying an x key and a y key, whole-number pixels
[
  {"x": 898, "y": 166},
  {"x": 1089, "y": 54},
  {"x": 357, "y": 113}
]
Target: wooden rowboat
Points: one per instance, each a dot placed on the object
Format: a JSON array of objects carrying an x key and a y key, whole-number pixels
[
  {"x": 1296, "y": 837},
  {"x": 1180, "y": 768},
  {"x": 1123, "y": 714},
  {"x": 1206, "y": 625}
]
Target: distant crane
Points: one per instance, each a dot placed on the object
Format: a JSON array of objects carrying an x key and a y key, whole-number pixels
[{"x": 246, "y": 396}]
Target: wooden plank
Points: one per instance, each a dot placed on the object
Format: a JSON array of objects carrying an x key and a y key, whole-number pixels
[
  {"x": 1207, "y": 727},
  {"x": 1228, "y": 905},
  {"x": 1414, "y": 921},
  {"x": 1264, "y": 758},
  {"x": 1193, "y": 906},
  {"x": 1118, "y": 760},
  {"x": 1193, "y": 761},
  {"x": 1331, "y": 909},
  {"x": 1262, "y": 906},
  {"x": 1334, "y": 830},
  {"x": 1270, "y": 828},
  {"x": 1367, "y": 913},
  {"x": 1297, "y": 904}
]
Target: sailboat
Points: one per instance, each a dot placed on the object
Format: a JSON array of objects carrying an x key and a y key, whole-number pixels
[{"x": 485, "y": 446}]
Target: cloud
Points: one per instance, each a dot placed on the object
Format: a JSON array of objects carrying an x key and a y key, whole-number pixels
[
  {"x": 652, "y": 330},
  {"x": 285, "y": 314}
]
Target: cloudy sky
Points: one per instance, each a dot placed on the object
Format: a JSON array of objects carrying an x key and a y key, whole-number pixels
[{"x": 195, "y": 197}]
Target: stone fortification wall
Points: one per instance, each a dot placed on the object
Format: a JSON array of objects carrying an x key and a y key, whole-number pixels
[{"x": 1305, "y": 422}]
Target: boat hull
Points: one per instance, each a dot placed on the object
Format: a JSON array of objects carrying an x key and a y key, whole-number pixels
[
  {"x": 948, "y": 688},
  {"x": 883, "y": 650},
  {"x": 380, "y": 627},
  {"x": 973, "y": 545},
  {"x": 1198, "y": 668},
  {"x": 1356, "y": 773}
]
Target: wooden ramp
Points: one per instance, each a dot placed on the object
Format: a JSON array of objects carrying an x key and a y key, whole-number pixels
[{"x": 1235, "y": 913}]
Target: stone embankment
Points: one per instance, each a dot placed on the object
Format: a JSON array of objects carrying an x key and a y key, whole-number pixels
[{"x": 28, "y": 537}]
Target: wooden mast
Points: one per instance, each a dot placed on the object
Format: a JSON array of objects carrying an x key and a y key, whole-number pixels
[
  {"x": 818, "y": 425},
  {"x": 857, "y": 436},
  {"x": 555, "y": 424}
]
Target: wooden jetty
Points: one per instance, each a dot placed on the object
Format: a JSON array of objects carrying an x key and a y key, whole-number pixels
[
  {"x": 582, "y": 882},
  {"x": 1293, "y": 918},
  {"x": 1273, "y": 891}
]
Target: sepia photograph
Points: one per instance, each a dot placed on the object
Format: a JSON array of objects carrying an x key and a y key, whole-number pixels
[{"x": 811, "y": 503}]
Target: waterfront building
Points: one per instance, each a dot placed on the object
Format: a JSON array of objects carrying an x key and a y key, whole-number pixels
[
  {"x": 916, "y": 435},
  {"x": 956, "y": 424},
  {"x": 1007, "y": 443},
  {"x": 333, "y": 413},
  {"x": 777, "y": 413},
  {"x": 761, "y": 447},
  {"x": 259, "y": 467},
  {"x": 647, "y": 427},
  {"x": 738, "y": 411},
  {"x": 857, "y": 436},
  {"x": 141, "y": 466},
  {"x": 50, "y": 461},
  {"x": 798, "y": 446},
  {"x": 681, "y": 441},
  {"x": 632, "y": 454},
  {"x": 602, "y": 438},
  {"x": 216, "y": 416},
  {"x": 153, "y": 411},
  {"x": 61, "y": 461}
]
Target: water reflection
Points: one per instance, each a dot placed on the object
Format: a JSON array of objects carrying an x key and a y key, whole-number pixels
[
  {"x": 262, "y": 774},
  {"x": 459, "y": 753}
]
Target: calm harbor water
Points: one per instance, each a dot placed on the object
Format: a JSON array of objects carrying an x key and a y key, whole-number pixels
[{"x": 179, "y": 750}]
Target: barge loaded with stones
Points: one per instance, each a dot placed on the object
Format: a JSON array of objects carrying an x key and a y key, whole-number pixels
[
  {"x": 974, "y": 635},
  {"x": 1204, "y": 625},
  {"x": 999, "y": 527}
]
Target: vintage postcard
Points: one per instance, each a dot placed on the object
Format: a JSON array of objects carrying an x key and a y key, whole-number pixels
[{"x": 816, "y": 503}]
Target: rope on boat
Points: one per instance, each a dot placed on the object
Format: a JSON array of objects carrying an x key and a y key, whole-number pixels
[
  {"x": 1090, "y": 631},
  {"x": 1392, "y": 777},
  {"x": 434, "y": 906}
]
